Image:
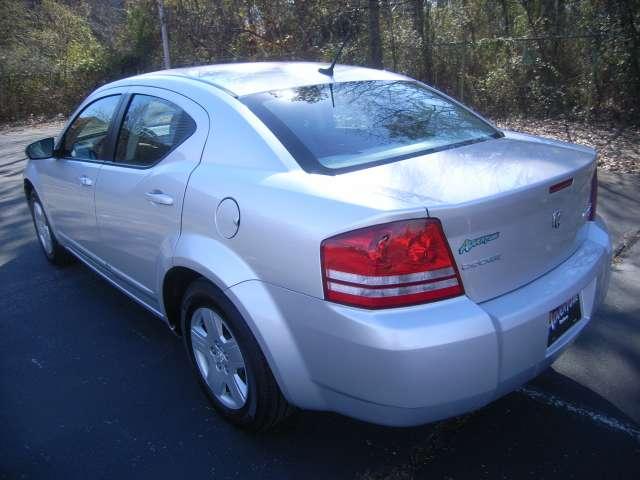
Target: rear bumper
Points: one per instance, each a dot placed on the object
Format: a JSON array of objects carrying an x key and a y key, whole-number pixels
[{"x": 413, "y": 365}]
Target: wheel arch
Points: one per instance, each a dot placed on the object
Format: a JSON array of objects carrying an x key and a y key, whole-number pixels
[
  {"x": 28, "y": 187},
  {"x": 197, "y": 256},
  {"x": 175, "y": 283}
]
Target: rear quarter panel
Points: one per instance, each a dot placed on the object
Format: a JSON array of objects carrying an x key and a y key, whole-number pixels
[
  {"x": 278, "y": 240},
  {"x": 284, "y": 212}
]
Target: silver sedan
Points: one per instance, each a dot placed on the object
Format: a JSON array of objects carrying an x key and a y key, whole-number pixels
[{"x": 349, "y": 240}]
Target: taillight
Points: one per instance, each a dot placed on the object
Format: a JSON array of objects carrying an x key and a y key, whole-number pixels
[
  {"x": 593, "y": 199},
  {"x": 390, "y": 265}
]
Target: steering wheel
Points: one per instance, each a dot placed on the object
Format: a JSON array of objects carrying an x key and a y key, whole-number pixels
[{"x": 147, "y": 132}]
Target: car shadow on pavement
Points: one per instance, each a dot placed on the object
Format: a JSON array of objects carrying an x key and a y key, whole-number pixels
[{"x": 516, "y": 436}]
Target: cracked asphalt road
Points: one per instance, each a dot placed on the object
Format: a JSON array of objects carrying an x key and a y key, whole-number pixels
[{"x": 92, "y": 386}]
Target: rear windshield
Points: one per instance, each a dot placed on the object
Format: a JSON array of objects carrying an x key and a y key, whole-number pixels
[{"x": 331, "y": 128}]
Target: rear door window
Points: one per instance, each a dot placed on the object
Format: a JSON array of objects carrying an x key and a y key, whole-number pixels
[{"x": 151, "y": 129}]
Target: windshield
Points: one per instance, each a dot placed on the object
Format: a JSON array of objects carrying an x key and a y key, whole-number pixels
[{"x": 335, "y": 127}]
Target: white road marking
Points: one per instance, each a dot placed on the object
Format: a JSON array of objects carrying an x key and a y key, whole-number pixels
[{"x": 600, "y": 418}]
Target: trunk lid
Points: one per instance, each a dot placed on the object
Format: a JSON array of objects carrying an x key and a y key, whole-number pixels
[
  {"x": 504, "y": 242},
  {"x": 505, "y": 224}
]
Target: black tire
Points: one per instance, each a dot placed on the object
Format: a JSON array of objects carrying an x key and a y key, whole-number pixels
[
  {"x": 57, "y": 254},
  {"x": 265, "y": 406}
]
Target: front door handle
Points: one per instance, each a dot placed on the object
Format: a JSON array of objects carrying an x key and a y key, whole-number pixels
[
  {"x": 159, "y": 198},
  {"x": 85, "y": 181}
]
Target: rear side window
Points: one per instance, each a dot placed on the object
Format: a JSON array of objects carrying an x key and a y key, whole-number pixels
[
  {"x": 86, "y": 137},
  {"x": 152, "y": 128},
  {"x": 330, "y": 128}
]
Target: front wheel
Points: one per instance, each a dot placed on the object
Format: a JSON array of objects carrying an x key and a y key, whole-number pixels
[
  {"x": 54, "y": 252},
  {"x": 228, "y": 360}
]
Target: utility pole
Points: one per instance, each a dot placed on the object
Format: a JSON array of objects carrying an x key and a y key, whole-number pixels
[{"x": 163, "y": 32}]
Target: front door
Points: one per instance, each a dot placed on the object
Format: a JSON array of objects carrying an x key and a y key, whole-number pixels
[
  {"x": 139, "y": 195},
  {"x": 69, "y": 181}
]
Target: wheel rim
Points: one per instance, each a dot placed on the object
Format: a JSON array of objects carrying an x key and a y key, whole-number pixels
[
  {"x": 42, "y": 228},
  {"x": 219, "y": 358}
]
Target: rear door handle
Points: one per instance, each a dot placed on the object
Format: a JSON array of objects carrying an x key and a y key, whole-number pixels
[
  {"x": 159, "y": 198},
  {"x": 85, "y": 181}
]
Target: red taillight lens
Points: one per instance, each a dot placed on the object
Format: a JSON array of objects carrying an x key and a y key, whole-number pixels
[
  {"x": 593, "y": 200},
  {"x": 390, "y": 265}
]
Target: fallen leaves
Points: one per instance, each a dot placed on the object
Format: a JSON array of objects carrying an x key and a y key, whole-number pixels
[{"x": 618, "y": 145}]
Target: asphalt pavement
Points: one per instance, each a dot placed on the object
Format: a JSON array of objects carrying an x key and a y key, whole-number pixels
[{"x": 93, "y": 386}]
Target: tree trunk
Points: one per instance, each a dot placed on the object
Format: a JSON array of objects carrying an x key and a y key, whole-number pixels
[
  {"x": 392, "y": 34},
  {"x": 633, "y": 46},
  {"x": 427, "y": 52},
  {"x": 505, "y": 18},
  {"x": 165, "y": 37},
  {"x": 375, "y": 43},
  {"x": 418, "y": 26}
]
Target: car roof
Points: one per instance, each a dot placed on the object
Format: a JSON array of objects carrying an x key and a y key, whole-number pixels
[{"x": 239, "y": 79}]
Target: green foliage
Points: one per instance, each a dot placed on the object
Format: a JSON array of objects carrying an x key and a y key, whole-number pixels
[
  {"x": 505, "y": 57},
  {"x": 49, "y": 59},
  {"x": 137, "y": 42}
]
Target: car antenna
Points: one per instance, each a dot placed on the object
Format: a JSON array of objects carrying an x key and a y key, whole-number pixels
[{"x": 329, "y": 70}]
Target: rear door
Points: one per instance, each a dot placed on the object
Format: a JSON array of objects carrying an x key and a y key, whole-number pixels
[
  {"x": 139, "y": 195},
  {"x": 69, "y": 181}
]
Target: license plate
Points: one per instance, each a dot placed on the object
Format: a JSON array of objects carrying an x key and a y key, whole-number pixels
[{"x": 563, "y": 318}]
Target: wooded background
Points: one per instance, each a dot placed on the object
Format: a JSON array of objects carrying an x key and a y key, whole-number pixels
[{"x": 535, "y": 58}]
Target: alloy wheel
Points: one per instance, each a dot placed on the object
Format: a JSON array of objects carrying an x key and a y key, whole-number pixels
[{"x": 219, "y": 358}]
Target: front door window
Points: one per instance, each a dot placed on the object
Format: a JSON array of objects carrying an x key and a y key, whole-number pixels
[{"x": 86, "y": 137}]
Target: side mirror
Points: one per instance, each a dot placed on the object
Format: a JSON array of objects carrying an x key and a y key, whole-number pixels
[{"x": 40, "y": 149}]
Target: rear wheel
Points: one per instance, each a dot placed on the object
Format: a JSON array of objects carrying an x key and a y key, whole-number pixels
[
  {"x": 228, "y": 360},
  {"x": 219, "y": 359},
  {"x": 54, "y": 252}
]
